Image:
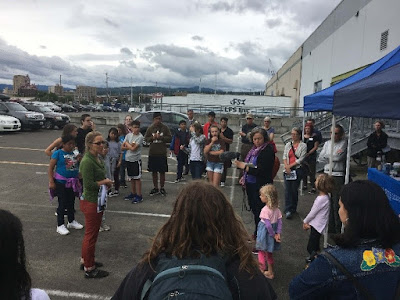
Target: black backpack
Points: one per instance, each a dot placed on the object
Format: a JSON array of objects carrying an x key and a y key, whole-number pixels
[{"x": 193, "y": 278}]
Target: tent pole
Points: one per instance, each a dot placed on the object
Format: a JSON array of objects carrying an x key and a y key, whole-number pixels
[
  {"x": 332, "y": 144},
  {"x": 347, "y": 179},
  {"x": 330, "y": 167},
  {"x": 301, "y": 182}
]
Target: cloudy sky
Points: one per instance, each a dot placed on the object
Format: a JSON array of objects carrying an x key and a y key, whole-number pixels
[{"x": 173, "y": 43}]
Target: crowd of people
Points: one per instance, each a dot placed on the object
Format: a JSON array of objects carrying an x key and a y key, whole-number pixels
[{"x": 203, "y": 230}]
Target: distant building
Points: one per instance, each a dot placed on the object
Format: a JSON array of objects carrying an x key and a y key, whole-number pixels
[
  {"x": 56, "y": 89},
  {"x": 85, "y": 93},
  {"x": 20, "y": 81},
  {"x": 28, "y": 91}
]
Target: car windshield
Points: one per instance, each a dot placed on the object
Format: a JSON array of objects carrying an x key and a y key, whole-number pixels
[{"x": 16, "y": 107}]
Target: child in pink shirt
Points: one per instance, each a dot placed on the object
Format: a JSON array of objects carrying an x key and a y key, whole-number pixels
[
  {"x": 269, "y": 229},
  {"x": 317, "y": 218}
]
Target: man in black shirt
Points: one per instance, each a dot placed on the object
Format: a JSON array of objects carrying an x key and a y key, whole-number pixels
[
  {"x": 377, "y": 141},
  {"x": 227, "y": 136},
  {"x": 86, "y": 127}
]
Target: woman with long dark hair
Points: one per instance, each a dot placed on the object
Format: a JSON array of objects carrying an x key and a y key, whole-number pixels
[
  {"x": 15, "y": 282},
  {"x": 202, "y": 223},
  {"x": 368, "y": 249},
  {"x": 257, "y": 170}
]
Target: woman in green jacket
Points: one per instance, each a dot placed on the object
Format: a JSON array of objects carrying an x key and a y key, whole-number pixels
[{"x": 93, "y": 176}]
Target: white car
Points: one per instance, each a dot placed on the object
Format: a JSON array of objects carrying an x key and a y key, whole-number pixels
[{"x": 8, "y": 123}]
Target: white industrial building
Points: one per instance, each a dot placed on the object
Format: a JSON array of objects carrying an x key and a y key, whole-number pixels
[{"x": 354, "y": 35}]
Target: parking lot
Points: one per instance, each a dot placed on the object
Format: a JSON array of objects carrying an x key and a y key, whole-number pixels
[{"x": 54, "y": 259}]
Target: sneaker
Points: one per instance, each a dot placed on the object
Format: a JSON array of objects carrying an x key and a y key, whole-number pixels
[
  {"x": 182, "y": 179},
  {"x": 289, "y": 215},
  {"x": 154, "y": 192},
  {"x": 75, "y": 225},
  {"x": 124, "y": 185},
  {"x": 96, "y": 273},
  {"x": 97, "y": 264},
  {"x": 62, "y": 230},
  {"x": 137, "y": 199},
  {"x": 163, "y": 192},
  {"x": 177, "y": 180},
  {"x": 114, "y": 194},
  {"x": 222, "y": 184},
  {"x": 130, "y": 197},
  {"x": 104, "y": 227},
  {"x": 312, "y": 191}
]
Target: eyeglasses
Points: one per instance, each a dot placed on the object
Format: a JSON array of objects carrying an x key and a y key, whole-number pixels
[
  {"x": 249, "y": 118},
  {"x": 99, "y": 143}
]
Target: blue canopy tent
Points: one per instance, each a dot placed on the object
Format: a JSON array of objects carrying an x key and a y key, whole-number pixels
[
  {"x": 323, "y": 100},
  {"x": 377, "y": 96}
]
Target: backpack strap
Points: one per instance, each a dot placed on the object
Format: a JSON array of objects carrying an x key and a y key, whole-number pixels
[
  {"x": 294, "y": 152},
  {"x": 146, "y": 289},
  {"x": 361, "y": 288}
]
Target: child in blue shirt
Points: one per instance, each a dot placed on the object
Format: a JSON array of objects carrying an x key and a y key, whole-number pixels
[{"x": 65, "y": 182}]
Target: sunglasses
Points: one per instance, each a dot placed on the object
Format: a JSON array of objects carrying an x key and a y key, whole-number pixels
[{"x": 99, "y": 143}]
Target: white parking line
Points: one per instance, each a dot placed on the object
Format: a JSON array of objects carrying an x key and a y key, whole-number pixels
[
  {"x": 108, "y": 211},
  {"x": 75, "y": 295}
]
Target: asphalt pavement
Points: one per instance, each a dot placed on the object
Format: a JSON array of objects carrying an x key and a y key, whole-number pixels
[{"x": 53, "y": 260}]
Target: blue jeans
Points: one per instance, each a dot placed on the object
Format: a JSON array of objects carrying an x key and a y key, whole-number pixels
[
  {"x": 182, "y": 159},
  {"x": 253, "y": 196},
  {"x": 196, "y": 168},
  {"x": 292, "y": 192}
]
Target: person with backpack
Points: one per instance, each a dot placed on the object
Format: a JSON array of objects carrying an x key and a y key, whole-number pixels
[
  {"x": 365, "y": 263},
  {"x": 257, "y": 170},
  {"x": 201, "y": 252}
]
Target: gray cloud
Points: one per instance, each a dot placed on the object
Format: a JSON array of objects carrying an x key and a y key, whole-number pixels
[
  {"x": 42, "y": 47},
  {"x": 111, "y": 23},
  {"x": 197, "y": 38},
  {"x": 273, "y": 23},
  {"x": 126, "y": 51}
]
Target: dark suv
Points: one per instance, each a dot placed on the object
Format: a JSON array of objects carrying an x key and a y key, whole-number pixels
[
  {"x": 52, "y": 118},
  {"x": 170, "y": 118},
  {"x": 28, "y": 119}
]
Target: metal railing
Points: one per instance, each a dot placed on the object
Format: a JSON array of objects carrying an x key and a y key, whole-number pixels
[{"x": 229, "y": 110}]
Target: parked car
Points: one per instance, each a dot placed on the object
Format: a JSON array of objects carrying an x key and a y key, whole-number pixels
[
  {"x": 169, "y": 118},
  {"x": 68, "y": 108},
  {"x": 50, "y": 105},
  {"x": 52, "y": 118},
  {"x": 107, "y": 108},
  {"x": 28, "y": 119},
  {"x": 9, "y": 123}
]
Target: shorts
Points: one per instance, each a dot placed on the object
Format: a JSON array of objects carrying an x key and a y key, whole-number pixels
[
  {"x": 216, "y": 167},
  {"x": 157, "y": 164},
  {"x": 134, "y": 169}
]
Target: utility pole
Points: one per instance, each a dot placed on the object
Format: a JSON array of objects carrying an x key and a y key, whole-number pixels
[
  {"x": 131, "y": 94},
  {"x": 108, "y": 92},
  {"x": 200, "y": 87},
  {"x": 215, "y": 84}
]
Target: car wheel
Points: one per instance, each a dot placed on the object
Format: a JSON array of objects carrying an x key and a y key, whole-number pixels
[{"x": 48, "y": 124}]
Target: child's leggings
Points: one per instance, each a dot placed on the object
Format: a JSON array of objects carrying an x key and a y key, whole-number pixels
[{"x": 262, "y": 256}]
